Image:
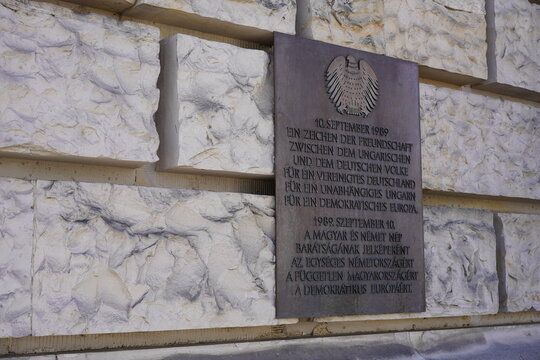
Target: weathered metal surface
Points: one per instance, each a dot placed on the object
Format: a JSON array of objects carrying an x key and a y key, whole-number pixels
[{"x": 348, "y": 181}]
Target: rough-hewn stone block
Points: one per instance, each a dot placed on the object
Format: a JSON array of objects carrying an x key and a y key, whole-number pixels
[
  {"x": 517, "y": 26},
  {"x": 247, "y": 19},
  {"x": 520, "y": 235},
  {"x": 114, "y": 258},
  {"x": 448, "y": 35},
  {"x": 461, "y": 274},
  {"x": 16, "y": 241},
  {"x": 479, "y": 144},
  {"x": 356, "y": 24},
  {"x": 76, "y": 86},
  {"x": 216, "y": 110},
  {"x": 513, "y": 55}
]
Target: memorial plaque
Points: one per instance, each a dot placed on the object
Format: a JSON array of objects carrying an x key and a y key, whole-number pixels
[{"x": 348, "y": 182}]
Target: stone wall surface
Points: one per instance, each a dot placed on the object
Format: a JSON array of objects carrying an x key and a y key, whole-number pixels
[
  {"x": 113, "y": 258},
  {"x": 479, "y": 144},
  {"x": 461, "y": 273},
  {"x": 247, "y": 19},
  {"x": 356, "y": 24},
  {"x": 517, "y": 40},
  {"x": 94, "y": 258},
  {"x": 448, "y": 35},
  {"x": 521, "y": 234},
  {"x": 16, "y": 241},
  {"x": 217, "y": 107},
  {"x": 84, "y": 88},
  {"x": 470, "y": 6},
  {"x": 116, "y": 258}
]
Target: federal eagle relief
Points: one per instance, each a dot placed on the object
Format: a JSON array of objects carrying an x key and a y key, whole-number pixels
[{"x": 352, "y": 85}]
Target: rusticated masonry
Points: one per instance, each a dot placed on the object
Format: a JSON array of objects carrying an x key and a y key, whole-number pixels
[
  {"x": 357, "y": 24},
  {"x": 518, "y": 236},
  {"x": 461, "y": 276},
  {"x": 83, "y": 88},
  {"x": 443, "y": 34},
  {"x": 479, "y": 144},
  {"x": 113, "y": 258},
  {"x": 250, "y": 20},
  {"x": 216, "y": 111},
  {"x": 16, "y": 241},
  {"x": 517, "y": 35},
  {"x": 448, "y": 35}
]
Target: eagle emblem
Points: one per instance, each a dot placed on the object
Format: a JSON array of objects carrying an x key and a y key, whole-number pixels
[{"x": 352, "y": 85}]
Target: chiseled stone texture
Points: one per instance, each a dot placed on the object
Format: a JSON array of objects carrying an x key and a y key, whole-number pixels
[
  {"x": 115, "y": 258},
  {"x": 357, "y": 24},
  {"x": 448, "y": 35},
  {"x": 478, "y": 144},
  {"x": 517, "y": 43},
  {"x": 229, "y": 17},
  {"x": 216, "y": 112},
  {"x": 76, "y": 86},
  {"x": 460, "y": 255},
  {"x": 521, "y": 235},
  {"x": 443, "y": 34},
  {"x": 16, "y": 241}
]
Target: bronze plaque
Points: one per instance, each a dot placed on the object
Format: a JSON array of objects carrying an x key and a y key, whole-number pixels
[{"x": 349, "y": 236}]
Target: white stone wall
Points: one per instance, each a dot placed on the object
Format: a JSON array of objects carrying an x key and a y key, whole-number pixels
[
  {"x": 356, "y": 24},
  {"x": 521, "y": 238},
  {"x": 116, "y": 258},
  {"x": 479, "y": 144},
  {"x": 445, "y": 35},
  {"x": 16, "y": 241},
  {"x": 247, "y": 19},
  {"x": 113, "y": 258},
  {"x": 517, "y": 40},
  {"x": 216, "y": 112},
  {"x": 459, "y": 251},
  {"x": 94, "y": 258},
  {"x": 76, "y": 86}
]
